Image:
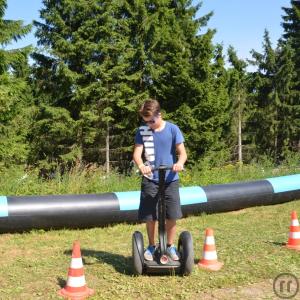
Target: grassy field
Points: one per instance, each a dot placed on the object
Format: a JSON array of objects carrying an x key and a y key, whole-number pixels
[
  {"x": 250, "y": 242},
  {"x": 34, "y": 265},
  {"x": 16, "y": 181}
]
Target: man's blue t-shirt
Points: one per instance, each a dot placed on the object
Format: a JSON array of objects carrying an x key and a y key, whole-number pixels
[{"x": 160, "y": 147}]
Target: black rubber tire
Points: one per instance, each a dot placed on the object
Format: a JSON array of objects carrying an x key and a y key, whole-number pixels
[
  {"x": 186, "y": 250},
  {"x": 138, "y": 253}
]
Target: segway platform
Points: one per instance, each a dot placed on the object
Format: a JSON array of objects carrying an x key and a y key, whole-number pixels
[{"x": 156, "y": 266}]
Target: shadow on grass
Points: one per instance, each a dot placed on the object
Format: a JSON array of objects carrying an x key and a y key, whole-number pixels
[
  {"x": 61, "y": 282},
  {"x": 276, "y": 243},
  {"x": 196, "y": 260},
  {"x": 120, "y": 263}
]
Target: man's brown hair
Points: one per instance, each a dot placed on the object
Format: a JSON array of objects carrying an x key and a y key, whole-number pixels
[{"x": 149, "y": 108}]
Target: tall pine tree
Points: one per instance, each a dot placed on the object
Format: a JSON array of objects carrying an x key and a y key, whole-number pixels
[
  {"x": 86, "y": 62},
  {"x": 291, "y": 36},
  {"x": 291, "y": 26},
  {"x": 288, "y": 100},
  {"x": 264, "y": 118},
  {"x": 276, "y": 114},
  {"x": 15, "y": 96}
]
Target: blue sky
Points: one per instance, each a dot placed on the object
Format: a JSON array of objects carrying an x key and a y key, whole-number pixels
[{"x": 239, "y": 23}]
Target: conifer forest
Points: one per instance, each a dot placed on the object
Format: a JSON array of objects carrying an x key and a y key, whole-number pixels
[{"x": 74, "y": 98}]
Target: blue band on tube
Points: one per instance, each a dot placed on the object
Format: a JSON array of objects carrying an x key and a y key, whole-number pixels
[
  {"x": 129, "y": 200},
  {"x": 192, "y": 195},
  {"x": 285, "y": 183},
  {"x": 3, "y": 207},
  {"x": 188, "y": 195}
]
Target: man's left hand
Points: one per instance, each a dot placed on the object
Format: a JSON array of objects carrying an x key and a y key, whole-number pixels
[{"x": 177, "y": 167}]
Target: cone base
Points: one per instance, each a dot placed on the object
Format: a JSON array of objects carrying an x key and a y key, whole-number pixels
[
  {"x": 294, "y": 247},
  {"x": 212, "y": 267},
  {"x": 76, "y": 295}
]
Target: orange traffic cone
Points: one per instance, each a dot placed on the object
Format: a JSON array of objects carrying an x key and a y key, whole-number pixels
[
  {"x": 294, "y": 235},
  {"x": 76, "y": 288},
  {"x": 210, "y": 259}
]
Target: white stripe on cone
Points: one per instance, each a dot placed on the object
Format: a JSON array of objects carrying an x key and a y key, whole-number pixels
[
  {"x": 76, "y": 281},
  {"x": 294, "y": 235},
  {"x": 210, "y": 255},
  {"x": 295, "y": 222},
  {"x": 209, "y": 240},
  {"x": 76, "y": 263}
]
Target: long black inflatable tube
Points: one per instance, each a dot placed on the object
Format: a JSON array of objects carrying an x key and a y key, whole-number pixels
[{"x": 24, "y": 213}]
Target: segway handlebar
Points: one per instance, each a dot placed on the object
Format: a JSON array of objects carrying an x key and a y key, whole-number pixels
[{"x": 162, "y": 167}]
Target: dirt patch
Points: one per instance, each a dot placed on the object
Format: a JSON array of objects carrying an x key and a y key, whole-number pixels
[{"x": 260, "y": 290}]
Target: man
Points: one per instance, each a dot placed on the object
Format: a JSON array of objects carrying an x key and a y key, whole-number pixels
[{"x": 159, "y": 141}]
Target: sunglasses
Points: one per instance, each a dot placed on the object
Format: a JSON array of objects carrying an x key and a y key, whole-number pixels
[{"x": 152, "y": 121}]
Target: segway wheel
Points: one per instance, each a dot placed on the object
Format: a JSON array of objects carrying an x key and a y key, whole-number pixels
[
  {"x": 186, "y": 250},
  {"x": 138, "y": 253}
]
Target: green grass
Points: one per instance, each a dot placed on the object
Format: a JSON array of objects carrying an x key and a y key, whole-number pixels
[
  {"x": 16, "y": 181},
  {"x": 34, "y": 265}
]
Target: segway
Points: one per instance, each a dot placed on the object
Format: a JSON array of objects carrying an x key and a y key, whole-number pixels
[{"x": 162, "y": 263}]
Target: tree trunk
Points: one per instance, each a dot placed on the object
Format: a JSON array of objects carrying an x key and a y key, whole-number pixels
[
  {"x": 240, "y": 157},
  {"x": 276, "y": 136},
  {"x": 107, "y": 149}
]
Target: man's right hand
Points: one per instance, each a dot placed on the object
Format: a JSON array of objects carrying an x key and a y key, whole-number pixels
[{"x": 145, "y": 170}]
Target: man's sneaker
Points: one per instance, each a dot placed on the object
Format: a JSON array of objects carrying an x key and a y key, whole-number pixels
[
  {"x": 173, "y": 253},
  {"x": 148, "y": 254}
]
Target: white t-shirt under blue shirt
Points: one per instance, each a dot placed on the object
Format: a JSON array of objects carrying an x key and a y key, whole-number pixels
[{"x": 160, "y": 147}]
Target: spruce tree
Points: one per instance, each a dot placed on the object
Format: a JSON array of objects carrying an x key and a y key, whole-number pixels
[
  {"x": 88, "y": 50},
  {"x": 15, "y": 95},
  {"x": 180, "y": 67},
  {"x": 276, "y": 114},
  {"x": 291, "y": 36},
  {"x": 288, "y": 101},
  {"x": 204, "y": 115},
  {"x": 264, "y": 118},
  {"x": 187, "y": 75},
  {"x": 291, "y": 26}
]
